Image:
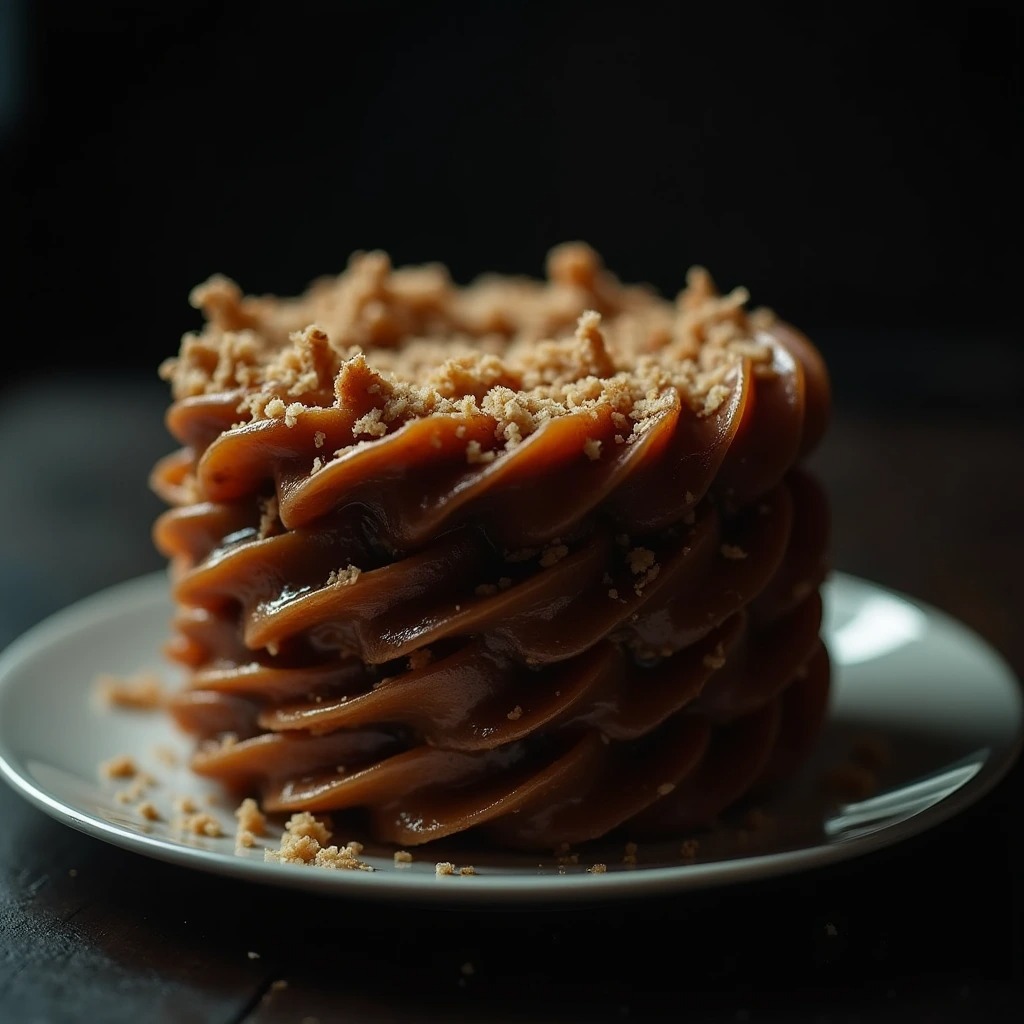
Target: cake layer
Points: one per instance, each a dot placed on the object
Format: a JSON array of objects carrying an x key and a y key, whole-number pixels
[{"x": 532, "y": 559}]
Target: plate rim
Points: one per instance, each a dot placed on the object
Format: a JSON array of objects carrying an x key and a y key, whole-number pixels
[{"x": 493, "y": 890}]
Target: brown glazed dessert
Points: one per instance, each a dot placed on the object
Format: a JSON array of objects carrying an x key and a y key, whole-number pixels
[{"x": 533, "y": 561}]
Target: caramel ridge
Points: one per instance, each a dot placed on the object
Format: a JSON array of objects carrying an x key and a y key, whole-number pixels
[{"x": 536, "y": 561}]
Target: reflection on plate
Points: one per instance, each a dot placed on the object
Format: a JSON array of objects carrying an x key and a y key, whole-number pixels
[{"x": 932, "y": 713}]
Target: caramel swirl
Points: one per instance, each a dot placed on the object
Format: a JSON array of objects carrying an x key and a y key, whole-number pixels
[{"x": 535, "y": 560}]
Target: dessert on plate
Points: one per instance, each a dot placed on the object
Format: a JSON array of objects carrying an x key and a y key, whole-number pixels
[{"x": 530, "y": 561}]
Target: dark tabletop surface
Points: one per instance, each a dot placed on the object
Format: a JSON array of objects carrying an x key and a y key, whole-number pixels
[{"x": 927, "y": 483}]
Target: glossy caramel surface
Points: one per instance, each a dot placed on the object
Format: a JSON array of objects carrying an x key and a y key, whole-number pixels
[{"x": 545, "y": 591}]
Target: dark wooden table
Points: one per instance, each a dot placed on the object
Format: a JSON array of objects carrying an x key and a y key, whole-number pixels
[{"x": 927, "y": 480}]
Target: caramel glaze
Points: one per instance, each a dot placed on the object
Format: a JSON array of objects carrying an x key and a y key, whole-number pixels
[{"x": 564, "y": 698}]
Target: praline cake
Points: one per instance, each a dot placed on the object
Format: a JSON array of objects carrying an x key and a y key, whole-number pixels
[{"x": 527, "y": 562}]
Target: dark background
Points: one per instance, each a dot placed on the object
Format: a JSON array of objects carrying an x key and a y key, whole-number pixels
[
  {"x": 857, "y": 168},
  {"x": 858, "y": 171}
]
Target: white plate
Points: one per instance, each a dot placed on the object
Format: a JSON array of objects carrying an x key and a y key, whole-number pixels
[{"x": 947, "y": 708}]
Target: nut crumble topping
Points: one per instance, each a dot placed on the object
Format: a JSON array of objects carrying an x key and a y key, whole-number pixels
[
  {"x": 716, "y": 659},
  {"x": 201, "y": 824},
  {"x": 142, "y": 692},
  {"x": 408, "y": 342},
  {"x": 733, "y": 552},
  {"x": 344, "y": 577},
  {"x": 640, "y": 560},
  {"x": 252, "y": 822},
  {"x": 122, "y": 766},
  {"x": 689, "y": 849},
  {"x": 148, "y": 810},
  {"x": 305, "y": 841}
]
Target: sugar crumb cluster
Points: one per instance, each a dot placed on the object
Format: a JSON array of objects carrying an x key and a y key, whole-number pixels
[
  {"x": 393, "y": 344},
  {"x": 306, "y": 840}
]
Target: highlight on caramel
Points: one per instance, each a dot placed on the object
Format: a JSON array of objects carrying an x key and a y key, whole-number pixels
[{"x": 532, "y": 561}]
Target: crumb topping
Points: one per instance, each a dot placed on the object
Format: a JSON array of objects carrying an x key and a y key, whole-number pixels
[
  {"x": 121, "y": 766},
  {"x": 306, "y": 839},
  {"x": 640, "y": 560},
  {"x": 269, "y": 517},
  {"x": 251, "y": 821},
  {"x": 136, "y": 789},
  {"x": 148, "y": 810},
  {"x": 344, "y": 577},
  {"x": 733, "y": 552},
  {"x": 552, "y": 554},
  {"x": 420, "y": 658},
  {"x": 201, "y": 824},
  {"x": 141, "y": 692},
  {"x": 689, "y": 849},
  {"x": 446, "y": 867},
  {"x": 400, "y": 343},
  {"x": 715, "y": 659}
]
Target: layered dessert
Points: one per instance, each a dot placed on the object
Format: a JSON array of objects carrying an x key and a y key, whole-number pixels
[{"x": 535, "y": 562}]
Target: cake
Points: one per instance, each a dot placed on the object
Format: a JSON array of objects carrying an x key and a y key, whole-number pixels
[{"x": 531, "y": 562}]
